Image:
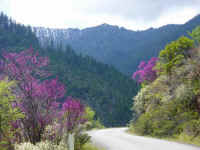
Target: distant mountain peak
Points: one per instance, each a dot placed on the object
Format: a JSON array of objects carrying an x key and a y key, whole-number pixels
[
  {"x": 194, "y": 19},
  {"x": 105, "y": 24},
  {"x": 116, "y": 45}
]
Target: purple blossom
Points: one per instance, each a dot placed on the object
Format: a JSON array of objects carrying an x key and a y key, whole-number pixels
[
  {"x": 37, "y": 97},
  {"x": 72, "y": 113},
  {"x": 146, "y": 71}
]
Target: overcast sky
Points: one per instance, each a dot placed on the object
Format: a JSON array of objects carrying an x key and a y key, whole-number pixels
[{"x": 131, "y": 14}]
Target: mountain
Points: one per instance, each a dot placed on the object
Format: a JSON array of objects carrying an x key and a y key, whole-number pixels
[
  {"x": 98, "y": 85},
  {"x": 114, "y": 45},
  {"x": 102, "y": 87}
]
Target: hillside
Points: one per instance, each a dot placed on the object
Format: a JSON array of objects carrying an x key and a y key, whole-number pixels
[
  {"x": 15, "y": 35},
  {"x": 102, "y": 87},
  {"x": 168, "y": 105},
  {"x": 115, "y": 45}
]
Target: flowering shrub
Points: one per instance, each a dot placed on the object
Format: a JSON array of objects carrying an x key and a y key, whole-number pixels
[
  {"x": 72, "y": 114},
  {"x": 37, "y": 96},
  {"x": 146, "y": 71}
]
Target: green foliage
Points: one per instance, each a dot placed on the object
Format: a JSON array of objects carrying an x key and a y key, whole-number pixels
[
  {"x": 98, "y": 85},
  {"x": 15, "y": 35},
  {"x": 91, "y": 121},
  {"x": 174, "y": 53},
  {"x": 80, "y": 140},
  {"x": 8, "y": 114},
  {"x": 150, "y": 95},
  {"x": 192, "y": 128},
  {"x": 143, "y": 126},
  {"x": 89, "y": 114},
  {"x": 169, "y": 107},
  {"x": 195, "y": 34},
  {"x": 164, "y": 121},
  {"x": 164, "y": 113},
  {"x": 89, "y": 146},
  {"x": 184, "y": 138},
  {"x": 107, "y": 91}
]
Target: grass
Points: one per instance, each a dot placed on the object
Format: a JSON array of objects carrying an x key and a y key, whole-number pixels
[
  {"x": 182, "y": 138},
  {"x": 89, "y": 146}
]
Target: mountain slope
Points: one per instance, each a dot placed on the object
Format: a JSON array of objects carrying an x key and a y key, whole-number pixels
[
  {"x": 119, "y": 47},
  {"x": 100, "y": 86},
  {"x": 104, "y": 88},
  {"x": 15, "y": 35}
]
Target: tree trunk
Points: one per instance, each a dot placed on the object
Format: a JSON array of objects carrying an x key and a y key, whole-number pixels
[{"x": 70, "y": 141}]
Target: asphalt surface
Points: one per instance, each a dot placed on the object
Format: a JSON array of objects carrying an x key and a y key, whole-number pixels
[{"x": 118, "y": 139}]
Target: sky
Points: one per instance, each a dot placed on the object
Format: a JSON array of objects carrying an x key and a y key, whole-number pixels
[{"x": 131, "y": 14}]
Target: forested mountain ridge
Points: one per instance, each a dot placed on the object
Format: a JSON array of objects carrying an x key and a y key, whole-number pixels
[
  {"x": 15, "y": 35},
  {"x": 115, "y": 45},
  {"x": 101, "y": 86},
  {"x": 98, "y": 85}
]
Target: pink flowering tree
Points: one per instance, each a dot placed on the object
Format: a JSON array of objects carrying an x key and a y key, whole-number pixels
[
  {"x": 72, "y": 116},
  {"x": 146, "y": 71},
  {"x": 36, "y": 96}
]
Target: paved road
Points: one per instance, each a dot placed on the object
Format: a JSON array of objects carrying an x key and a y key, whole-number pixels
[{"x": 118, "y": 139}]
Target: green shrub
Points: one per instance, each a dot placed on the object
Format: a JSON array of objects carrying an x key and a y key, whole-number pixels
[
  {"x": 166, "y": 120},
  {"x": 143, "y": 125},
  {"x": 89, "y": 146},
  {"x": 91, "y": 121},
  {"x": 187, "y": 139},
  {"x": 80, "y": 140},
  {"x": 195, "y": 34},
  {"x": 174, "y": 53},
  {"x": 170, "y": 105},
  {"x": 8, "y": 114},
  {"x": 192, "y": 128}
]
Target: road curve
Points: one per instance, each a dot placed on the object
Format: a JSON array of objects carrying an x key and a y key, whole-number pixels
[{"x": 118, "y": 139}]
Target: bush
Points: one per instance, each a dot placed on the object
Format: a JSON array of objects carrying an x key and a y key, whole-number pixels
[
  {"x": 8, "y": 115},
  {"x": 143, "y": 125},
  {"x": 91, "y": 121},
  {"x": 195, "y": 34},
  {"x": 192, "y": 128},
  {"x": 166, "y": 120},
  {"x": 170, "y": 105},
  {"x": 187, "y": 139},
  {"x": 174, "y": 53},
  {"x": 80, "y": 140},
  {"x": 89, "y": 146}
]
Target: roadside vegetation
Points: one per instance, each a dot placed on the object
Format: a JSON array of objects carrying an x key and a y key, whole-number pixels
[
  {"x": 168, "y": 104},
  {"x": 31, "y": 116}
]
